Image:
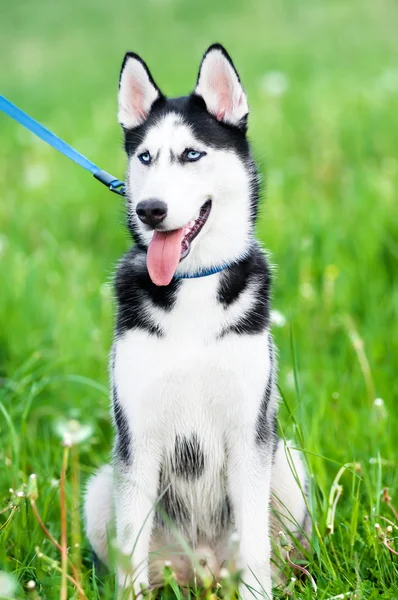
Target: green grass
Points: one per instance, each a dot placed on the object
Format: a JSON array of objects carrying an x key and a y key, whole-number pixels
[{"x": 328, "y": 147}]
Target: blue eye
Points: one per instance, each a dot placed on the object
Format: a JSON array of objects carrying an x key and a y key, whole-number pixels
[
  {"x": 193, "y": 155},
  {"x": 145, "y": 158}
]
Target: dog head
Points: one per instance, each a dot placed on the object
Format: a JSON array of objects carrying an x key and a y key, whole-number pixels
[{"x": 191, "y": 181}]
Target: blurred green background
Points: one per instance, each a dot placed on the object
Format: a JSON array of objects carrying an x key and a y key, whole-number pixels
[{"x": 322, "y": 81}]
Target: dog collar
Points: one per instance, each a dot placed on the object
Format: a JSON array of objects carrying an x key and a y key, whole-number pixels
[{"x": 202, "y": 273}]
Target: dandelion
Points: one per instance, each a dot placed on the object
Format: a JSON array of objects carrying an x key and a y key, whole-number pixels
[
  {"x": 224, "y": 573},
  {"x": 274, "y": 84},
  {"x": 7, "y": 585},
  {"x": 379, "y": 408},
  {"x": 73, "y": 432},
  {"x": 277, "y": 318}
]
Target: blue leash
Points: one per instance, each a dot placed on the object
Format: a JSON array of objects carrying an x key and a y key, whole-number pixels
[
  {"x": 53, "y": 140},
  {"x": 106, "y": 178}
]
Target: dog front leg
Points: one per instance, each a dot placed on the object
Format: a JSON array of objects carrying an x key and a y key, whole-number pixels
[
  {"x": 136, "y": 487},
  {"x": 249, "y": 481}
]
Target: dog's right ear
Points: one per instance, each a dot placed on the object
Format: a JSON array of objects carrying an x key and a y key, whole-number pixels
[{"x": 137, "y": 92}]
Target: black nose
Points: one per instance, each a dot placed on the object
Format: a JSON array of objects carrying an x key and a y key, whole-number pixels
[{"x": 152, "y": 211}]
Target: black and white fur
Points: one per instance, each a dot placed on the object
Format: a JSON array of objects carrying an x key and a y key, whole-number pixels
[{"x": 196, "y": 457}]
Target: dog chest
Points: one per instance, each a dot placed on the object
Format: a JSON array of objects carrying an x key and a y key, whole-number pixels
[{"x": 192, "y": 377}]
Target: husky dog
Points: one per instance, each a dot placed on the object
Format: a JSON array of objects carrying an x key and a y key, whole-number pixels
[{"x": 196, "y": 459}]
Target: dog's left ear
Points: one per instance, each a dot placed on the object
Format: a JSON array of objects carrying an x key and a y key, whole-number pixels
[{"x": 219, "y": 85}]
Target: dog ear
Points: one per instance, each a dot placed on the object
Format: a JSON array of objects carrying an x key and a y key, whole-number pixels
[
  {"x": 219, "y": 85},
  {"x": 137, "y": 92}
]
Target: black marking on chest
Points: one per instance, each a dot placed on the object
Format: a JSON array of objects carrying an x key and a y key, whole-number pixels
[
  {"x": 123, "y": 444},
  {"x": 171, "y": 506},
  {"x": 267, "y": 423},
  {"x": 223, "y": 517},
  {"x": 136, "y": 293},
  {"x": 188, "y": 460},
  {"x": 252, "y": 270}
]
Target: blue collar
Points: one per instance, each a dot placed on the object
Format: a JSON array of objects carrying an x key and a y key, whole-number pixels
[{"x": 202, "y": 272}]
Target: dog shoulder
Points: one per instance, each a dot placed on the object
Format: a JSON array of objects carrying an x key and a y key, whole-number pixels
[{"x": 250, "y": 277}]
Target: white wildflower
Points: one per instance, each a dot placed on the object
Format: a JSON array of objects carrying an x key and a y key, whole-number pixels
[
  {"x": 277, "y": 318},
  {"x": 274, "y": 83},
  {"x": 7, "y": 585},
  {"x": 224, "y": 573},
  {"x": 73, "y": 432},
  {"x": 379, "y": 409}
]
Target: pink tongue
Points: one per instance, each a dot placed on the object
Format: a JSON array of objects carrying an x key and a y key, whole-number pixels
[{"x": 163, "y": 255}]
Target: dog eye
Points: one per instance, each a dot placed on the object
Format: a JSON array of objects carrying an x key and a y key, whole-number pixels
[
  {"x": 145, "y": 158},
  {"x": 192, "y": 155}
]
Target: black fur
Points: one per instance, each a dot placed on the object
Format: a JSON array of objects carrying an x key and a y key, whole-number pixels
[
  {"x": 223, "y": 517},
  {"x": 188, "y": 460},
  {"x": 266, "y": 427},
  {"x": 123, "y": 444},
  {"x": 171, "y": 507},
  {"x": 253, "y": 269},
  {"x": 134, "y": 287}
]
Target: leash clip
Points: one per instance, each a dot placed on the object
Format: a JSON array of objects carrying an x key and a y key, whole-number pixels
[{"x": 115, "y": 185}]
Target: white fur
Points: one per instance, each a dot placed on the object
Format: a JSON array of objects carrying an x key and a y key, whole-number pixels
[
  {"x": 286, "y": 500},
  {"x": 219, "y": 175},
  {"x": 190, "y": 381},
  {"x": 197, "y": 384}
]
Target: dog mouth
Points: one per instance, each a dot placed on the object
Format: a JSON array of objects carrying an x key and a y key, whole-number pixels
[
  {"x": 168, "y": 248},
  {"x": 194, "y": 227}
]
